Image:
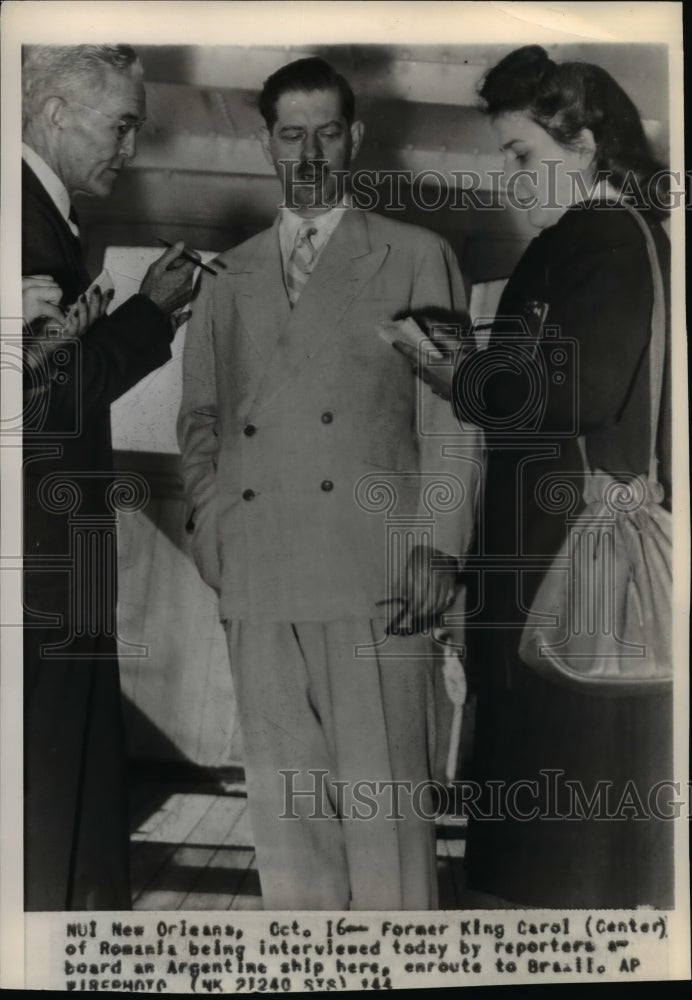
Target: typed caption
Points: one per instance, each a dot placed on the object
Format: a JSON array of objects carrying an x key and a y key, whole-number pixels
[{"x": 307, "y": 952}]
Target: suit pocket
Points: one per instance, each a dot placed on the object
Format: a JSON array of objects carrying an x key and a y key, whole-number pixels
[{"x": 204, "y": 542}]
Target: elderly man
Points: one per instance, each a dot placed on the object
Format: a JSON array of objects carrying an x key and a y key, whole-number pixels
[
  {"x": 299, "y": 426},
  {"x": 82, "y": 108}
]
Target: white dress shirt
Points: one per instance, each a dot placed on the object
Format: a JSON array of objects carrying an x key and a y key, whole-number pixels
[{"x": 325, "y": 224}]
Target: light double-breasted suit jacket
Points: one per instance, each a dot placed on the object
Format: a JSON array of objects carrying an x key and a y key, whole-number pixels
[{"x": 309, "y": 449}]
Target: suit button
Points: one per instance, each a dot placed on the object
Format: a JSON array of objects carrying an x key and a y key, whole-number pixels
[
  {"x": 248, "y": 494},
  {"x": 249, "y": 430},
  {"x": 327, "y": 485},
  {"x": 327, "y": 417}
]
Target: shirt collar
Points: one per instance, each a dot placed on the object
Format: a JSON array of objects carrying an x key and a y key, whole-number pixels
[
  {"x": 51, "y": 182},
  {"x": 325, "y": 224}
]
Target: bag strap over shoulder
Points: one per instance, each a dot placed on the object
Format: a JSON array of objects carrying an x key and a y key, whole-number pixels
[
  {"x": 657, "y": 344},
  {"x": 657, "y": 348}
]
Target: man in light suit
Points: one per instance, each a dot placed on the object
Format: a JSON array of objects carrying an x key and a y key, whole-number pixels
[{"x": 302, "y": 459}]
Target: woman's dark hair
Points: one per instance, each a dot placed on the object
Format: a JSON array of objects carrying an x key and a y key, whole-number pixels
[
  {"x": 564, "y": 98},
  {"x": 307, "y": 75}
]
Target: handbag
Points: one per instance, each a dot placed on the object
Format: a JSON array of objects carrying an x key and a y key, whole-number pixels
[{"x": 601, "y": 619}]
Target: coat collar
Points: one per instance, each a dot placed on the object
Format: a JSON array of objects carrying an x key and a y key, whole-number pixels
[
  {"x": 50, "y": 183},
  {"x": 349, "y": 241}
]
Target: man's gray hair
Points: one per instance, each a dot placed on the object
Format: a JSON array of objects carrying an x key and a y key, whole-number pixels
[{"x": 60, "y": 70}]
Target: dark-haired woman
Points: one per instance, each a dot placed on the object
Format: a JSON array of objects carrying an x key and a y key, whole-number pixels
[{"x": 574, "y": 144}]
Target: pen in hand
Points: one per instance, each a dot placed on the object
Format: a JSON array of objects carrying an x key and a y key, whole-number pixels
[{"x": 189, "y": 256}]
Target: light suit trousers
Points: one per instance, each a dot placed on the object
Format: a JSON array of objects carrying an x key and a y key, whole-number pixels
[{"x": 338, "y": 732}]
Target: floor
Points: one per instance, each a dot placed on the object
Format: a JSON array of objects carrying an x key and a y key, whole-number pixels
[{"x": 191, "y": 843}]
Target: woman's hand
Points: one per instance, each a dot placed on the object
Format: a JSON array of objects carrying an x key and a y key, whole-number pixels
[
  {"x": 41, "y": 297},
  {"x": 433, "y": 355},
  {"x": 85, "y": 311},
  {"x": 438, "y": 374}
]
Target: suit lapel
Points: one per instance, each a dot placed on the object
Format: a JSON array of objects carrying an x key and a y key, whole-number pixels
[
  {"x": 347, "y": 263},
  {"x": 261, "y": 298},
  {"x": 70, "y": 244}
]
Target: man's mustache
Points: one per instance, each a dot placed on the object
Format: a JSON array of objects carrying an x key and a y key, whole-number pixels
[
  {"x": 310, "y": 170},
  {"x": 305, "y": 171}
]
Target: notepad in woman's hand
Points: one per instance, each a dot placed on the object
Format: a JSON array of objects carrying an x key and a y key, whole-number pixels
[{"x": 408, "y": 332}]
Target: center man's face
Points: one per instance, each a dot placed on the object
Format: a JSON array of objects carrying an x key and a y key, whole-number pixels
[
  {"x": 98, "y": 137},
  {"x": 311, "y": 146}
]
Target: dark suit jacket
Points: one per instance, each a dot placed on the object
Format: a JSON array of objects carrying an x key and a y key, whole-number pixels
[
  {"x": 73, "y": 418},
  {"x": 76, "y": 816}
]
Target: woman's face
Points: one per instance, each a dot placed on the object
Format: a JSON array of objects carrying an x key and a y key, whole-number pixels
[{"x": 541, "y": 176}]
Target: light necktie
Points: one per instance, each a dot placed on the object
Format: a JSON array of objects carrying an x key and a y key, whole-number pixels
[{"x": 301, "y": 262}]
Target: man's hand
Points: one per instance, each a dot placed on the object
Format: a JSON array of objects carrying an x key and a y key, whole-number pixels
[
  {"x": 168, "y": 282},
  {"x": 427, "y": 589}
]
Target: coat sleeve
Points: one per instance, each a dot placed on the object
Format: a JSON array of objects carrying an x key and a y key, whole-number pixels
[
  {"x": 113, "y": 355},
  {"x": 450, "y": 452},
  {"x": 118, "y": 350},
  {"x": 198, "y": 439}
]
